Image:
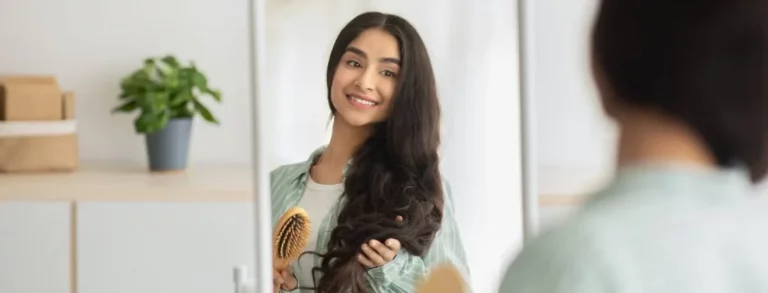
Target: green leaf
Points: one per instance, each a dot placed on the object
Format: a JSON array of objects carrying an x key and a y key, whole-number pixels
[
  {"x": 149, "y": 65},
  {"x": 149, "y": 122},
  {"x": 163, "y": 98},
  {"x": 171, "y": 61},
  {"x": 135, "y": 83},
  {"x": 214, "y": 93},
  {"x": 161, "y": 71},
  {"x": 136, "y": 78},
  {"x": 144, "y": 123},
  {"x": 182, "y": 112},
  {"x": 200, "y": 81},
  {"x": 154, "y": 102},
  {"x": 164, "y": 117},
  {"x": 205, "y": 112},
  {"x": 181, "y": 98},
  {"x": 126, "y": 107}
]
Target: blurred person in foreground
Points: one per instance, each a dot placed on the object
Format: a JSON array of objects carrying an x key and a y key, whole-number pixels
[{"x": 686, "y": 83}]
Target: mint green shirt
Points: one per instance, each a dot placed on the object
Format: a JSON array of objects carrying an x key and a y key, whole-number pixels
[
  {"x": 398, "y": 276},
  {"x": 659, "y": 229}
]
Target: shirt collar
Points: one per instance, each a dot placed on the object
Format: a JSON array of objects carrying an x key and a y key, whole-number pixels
[
  {"x": 677, "y": 180},
  {"x": 303, "y": 176}
]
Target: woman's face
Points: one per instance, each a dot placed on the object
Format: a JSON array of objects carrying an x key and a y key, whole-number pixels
[{"x": 365, "y": 79}]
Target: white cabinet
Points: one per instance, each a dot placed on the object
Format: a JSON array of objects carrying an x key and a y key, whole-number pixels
[
  {"x": 161, "y": 247},
  {"x": 35, "y": 247}
]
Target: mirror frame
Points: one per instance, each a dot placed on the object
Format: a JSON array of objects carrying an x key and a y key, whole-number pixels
[
  {"x": 528, "y": 157},
  {"x": 262, "y": 194}
]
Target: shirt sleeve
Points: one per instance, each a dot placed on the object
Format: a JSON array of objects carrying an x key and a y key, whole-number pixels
[
  {"x": 405, "y": 272},
  {"x": 277, "y": 181}
]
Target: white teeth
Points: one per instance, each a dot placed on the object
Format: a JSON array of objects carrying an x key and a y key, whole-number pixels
[{"x": 364, "y": 102}]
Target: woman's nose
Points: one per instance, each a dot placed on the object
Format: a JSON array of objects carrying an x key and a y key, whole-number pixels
[{"x": 367, "y": 80}]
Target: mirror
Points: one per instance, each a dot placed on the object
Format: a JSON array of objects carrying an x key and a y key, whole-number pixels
[{"x": 473, "y": 51}]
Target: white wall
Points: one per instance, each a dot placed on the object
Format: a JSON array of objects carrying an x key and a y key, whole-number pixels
[
  {"x": 91, "y": 44},
  {"x": 575, "y": 140}
]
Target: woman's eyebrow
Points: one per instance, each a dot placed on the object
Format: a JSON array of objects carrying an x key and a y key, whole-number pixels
[{"x": 362, "y": 53}]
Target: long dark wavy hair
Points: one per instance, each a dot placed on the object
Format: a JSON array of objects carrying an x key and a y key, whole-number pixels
[{"x": 395, "y": 171}]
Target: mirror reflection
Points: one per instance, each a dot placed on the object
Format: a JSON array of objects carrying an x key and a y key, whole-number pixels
[{"x": 388, "y": 137}]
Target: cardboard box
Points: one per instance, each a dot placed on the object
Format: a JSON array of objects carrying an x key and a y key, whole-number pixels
[
  {"x": 38, "y": 131},
  {"x": 39, "y": 153},
  {"x": 30, "y": 98},
  {"x": 68, "y": 105}
]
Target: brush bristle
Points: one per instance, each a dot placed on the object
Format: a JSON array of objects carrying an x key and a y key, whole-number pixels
[{"x": 291, "y": 235}]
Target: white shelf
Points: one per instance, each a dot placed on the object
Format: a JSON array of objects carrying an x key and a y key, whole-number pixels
[{"x": 131, "y": 183}]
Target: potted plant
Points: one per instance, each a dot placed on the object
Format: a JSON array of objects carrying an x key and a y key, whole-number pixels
[{"x": 168, "y": 97}]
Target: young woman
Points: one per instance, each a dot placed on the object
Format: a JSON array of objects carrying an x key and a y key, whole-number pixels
[
  {"x": 381, "y": 213},
  {"x": 686, "y": 83}
]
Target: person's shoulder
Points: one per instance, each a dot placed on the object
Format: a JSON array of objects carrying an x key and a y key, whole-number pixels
[
  {"x": 293, "y": 170},
  {"x": 287, "y": 171},
  {"x": 568, "y": 258}
]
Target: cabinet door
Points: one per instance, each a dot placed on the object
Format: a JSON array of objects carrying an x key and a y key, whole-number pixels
[
  {"x": 162, "y": 247},
  {"x": 35, "y": 247}
]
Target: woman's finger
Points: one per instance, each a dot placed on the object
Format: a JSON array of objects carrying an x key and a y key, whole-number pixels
[
  {"x": 393, "y": 244},
  {"x": 373, "y": 255},
  {"x": 365, "y": 261},
  {"x": 289, "y": 281},
  {"x": 277, "y": 281},
  {"x": 277, "y": 278},
  {"x": 385, "y": 252}
]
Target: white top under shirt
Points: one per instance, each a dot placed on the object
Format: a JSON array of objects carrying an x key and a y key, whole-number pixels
[{"x": 317, "y": 201}]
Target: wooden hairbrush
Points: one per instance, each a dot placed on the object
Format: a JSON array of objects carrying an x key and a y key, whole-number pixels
[
  {"x": 443, "y": 279},
  {"x": 290, "y": 237}
]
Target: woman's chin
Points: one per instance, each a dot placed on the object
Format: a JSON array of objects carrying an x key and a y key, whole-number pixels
[{"x": 357, "y": 120}]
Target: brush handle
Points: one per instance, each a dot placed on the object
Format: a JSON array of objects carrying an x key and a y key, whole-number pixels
[
  {"x": 443, "y": 279},
  {"x": 281, "y": 264}
]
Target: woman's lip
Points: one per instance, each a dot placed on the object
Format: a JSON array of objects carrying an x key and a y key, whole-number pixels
[
  {"x": 360, "y": 103},
  {"x": 363, "y": 98}
]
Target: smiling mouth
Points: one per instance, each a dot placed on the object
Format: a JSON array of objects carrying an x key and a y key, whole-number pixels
[{"x": 362, "y": 102}]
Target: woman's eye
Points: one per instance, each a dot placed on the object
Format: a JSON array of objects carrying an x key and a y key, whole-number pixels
[
  {"x": 354, "y": 63},
  {"x": 388, "y": 73}
]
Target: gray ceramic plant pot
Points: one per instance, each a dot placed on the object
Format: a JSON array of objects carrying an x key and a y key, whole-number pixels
[{"x": 168, "y": 149}]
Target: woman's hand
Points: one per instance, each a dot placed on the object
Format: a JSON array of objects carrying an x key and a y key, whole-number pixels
[
  {"x": 376, "y": 254},
  {"x": 284, "y": 280}
]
